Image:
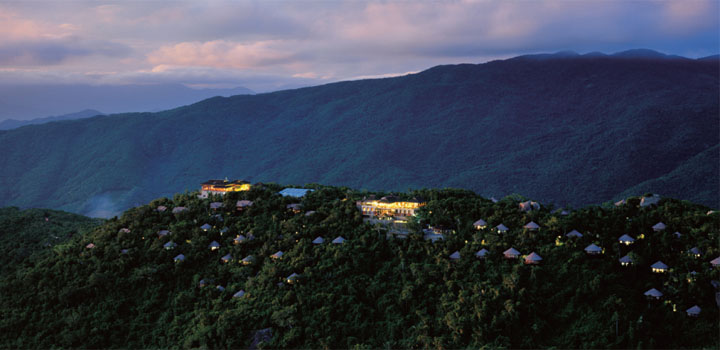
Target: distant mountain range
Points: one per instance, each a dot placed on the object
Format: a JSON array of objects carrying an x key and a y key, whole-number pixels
[
  {"x": 14, "y": 123},
  {"x": 23, "y": 102},
  {"x": 563, "y": 129}
]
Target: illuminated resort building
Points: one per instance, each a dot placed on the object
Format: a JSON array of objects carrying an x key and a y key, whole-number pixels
[
  {"x": 390, "y": 206},
  {"x": 223, "y": 186}
]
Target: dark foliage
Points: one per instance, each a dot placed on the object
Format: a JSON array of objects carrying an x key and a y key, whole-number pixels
[
  {"x": 25, "y": 232},
  {"x": 371, "y": 291}
]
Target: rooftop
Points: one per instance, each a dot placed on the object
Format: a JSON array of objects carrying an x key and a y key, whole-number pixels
[{"x": 294, "y": 192}]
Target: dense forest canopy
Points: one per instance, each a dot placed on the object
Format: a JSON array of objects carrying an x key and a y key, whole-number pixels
[
  {"x": 25, "y": 232},
  {"x": 122, "y": 285}
]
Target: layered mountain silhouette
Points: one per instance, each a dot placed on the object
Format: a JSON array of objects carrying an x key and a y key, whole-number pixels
[
  {"x": 8, "y": 124},
  {"x": 26, "y": 102},
  {"x": 564, "y": 128}
]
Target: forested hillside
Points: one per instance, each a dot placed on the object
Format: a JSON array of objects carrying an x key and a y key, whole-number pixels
[
  {"x": 566, "y": 129},
  {"x": 124, "y": 285},
  {"x": 25, "y": 232}
]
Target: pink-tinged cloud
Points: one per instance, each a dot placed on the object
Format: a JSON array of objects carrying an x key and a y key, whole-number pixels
[
  {"x": 14, "y": 28},
  {"x": 220, "y": 54},
  {"x": 268, "y": 42},
  {"x": 683, "y": 17}
]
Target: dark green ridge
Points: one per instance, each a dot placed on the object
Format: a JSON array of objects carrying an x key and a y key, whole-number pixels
[
  {"x": 370, "y": 292},
  {"x": 564, "y": 129},
  {"x": 25, "y": 232}
]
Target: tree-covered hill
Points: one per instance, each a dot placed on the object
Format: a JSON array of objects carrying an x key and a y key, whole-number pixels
[
  {"x": 119, "y": 286},
  {"x": 566, "y": 129},
  {"x": 25, "y": 232}
]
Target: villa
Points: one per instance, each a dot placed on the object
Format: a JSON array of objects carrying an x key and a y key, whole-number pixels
[
  {"x": 531, "y": 226},
  {"x": 626, "y": 260},
  {"x": 593, "y": 249},
  {"x": 653, "y": 294},
  {"x": 659, "y": 267},
  {"x": 574, "y": 233},
  {"x": 533, "y": 259},
  {"x": 480, "y": 224},
  {"x": 511, "y": 253},
  {"x": 626, "y": 240}
]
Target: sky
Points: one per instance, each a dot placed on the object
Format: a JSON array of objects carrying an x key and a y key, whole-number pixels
[{"x": 271, "y": 45}]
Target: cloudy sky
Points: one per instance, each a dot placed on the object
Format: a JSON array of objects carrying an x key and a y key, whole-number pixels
[{"x": 267, "y": 45}]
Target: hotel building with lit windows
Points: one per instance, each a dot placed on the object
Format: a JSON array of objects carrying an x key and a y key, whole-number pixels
[
  {"x": 389, "y": 206},
  {"x": 223, "y": 186}
]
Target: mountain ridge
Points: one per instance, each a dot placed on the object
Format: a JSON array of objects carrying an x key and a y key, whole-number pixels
[
  {"x": 24, "y": 102},
  {"x": 8, "y": 124},
  {"x": 565, "y": 131}
]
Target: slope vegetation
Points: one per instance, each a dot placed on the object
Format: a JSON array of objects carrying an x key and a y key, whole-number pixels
[
  {"x": 566, "y": 129},
  {"x": 120, "y": 285},
  {"x": 26, "y": 232}
]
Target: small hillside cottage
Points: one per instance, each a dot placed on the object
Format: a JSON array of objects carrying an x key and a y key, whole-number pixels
[
  {"x": 593, "y": 249},
  {"x": 653, "y": 294},
  {"x": 239, "y": 239},
  {"x": 292, "y": 278},
  {"x": 574, "y": 234},
  {"x": 242, "y": 204},
  {"x": 626, "y": 260},
  {"x": 659, "y": 267},
  {"x": 480, "y": 224},
  {"x": 626, "y": 239},
  {"x": 693, "y": 311},
  {"x": 650, "y": 200},
  {"x": 511, "y": 253},
  {"x": 659, "y": 227},
  {"x": 529, "y": 205},
  {"x": 533, "y": 259},
  {"x": 695, "y": 252},
  {"x": 531, "y": 226},
  {"x": 481, "y": 254},
  {"x": 248, "y": 260},
  {"x": 178, "y": 210}
]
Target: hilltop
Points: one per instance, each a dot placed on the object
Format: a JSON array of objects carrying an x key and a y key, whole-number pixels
[
  {"x": 566, "y": 129},
  {"x": 8, "y": 124},
  {"x": 162, "y": 276}
]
